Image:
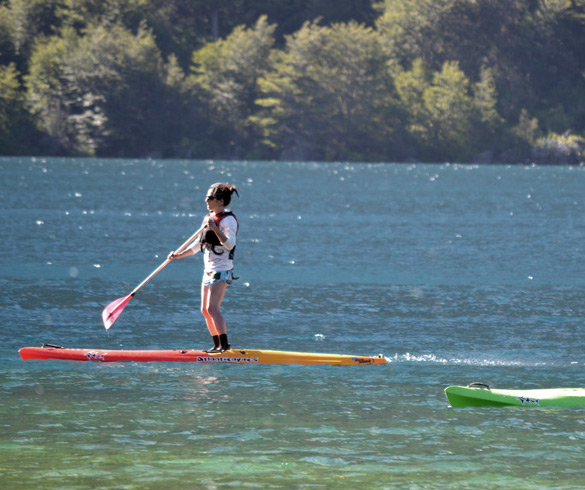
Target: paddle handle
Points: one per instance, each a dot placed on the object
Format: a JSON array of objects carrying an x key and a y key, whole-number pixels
[{"x": 167, "y": 261}]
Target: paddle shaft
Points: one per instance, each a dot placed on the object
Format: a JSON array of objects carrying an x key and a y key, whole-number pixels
[{"x": 167, "y": 261}]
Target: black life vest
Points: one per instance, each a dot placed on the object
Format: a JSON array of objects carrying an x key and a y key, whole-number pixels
[{"x": 209, "y": 238}]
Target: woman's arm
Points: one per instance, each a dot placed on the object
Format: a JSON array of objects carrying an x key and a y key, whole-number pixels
[
  {"x": 181, "y": 255},
  {"x": 226, "y": 232}
]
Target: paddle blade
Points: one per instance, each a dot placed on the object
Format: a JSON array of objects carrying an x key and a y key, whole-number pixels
[{"x": 113, "y": 310}]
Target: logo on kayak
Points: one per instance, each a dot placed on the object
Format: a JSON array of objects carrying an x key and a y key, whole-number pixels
[
  {"x": 363, "y": 360},
  {"x": 528, "y": 401},
  {"x": 235, "y": 360},
  {"x": 95, "y": 356}
]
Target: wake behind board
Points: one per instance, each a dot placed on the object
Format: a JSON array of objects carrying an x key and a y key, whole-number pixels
[
  {"x": 233, "y": 356},
  {"x": 480, "y": 395}
]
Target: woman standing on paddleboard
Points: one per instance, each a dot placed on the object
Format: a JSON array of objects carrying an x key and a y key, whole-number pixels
[{"x": 218, "y": 243}]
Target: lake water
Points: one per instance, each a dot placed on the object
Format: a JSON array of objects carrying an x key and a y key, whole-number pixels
[{"x": 456, "y": 273}]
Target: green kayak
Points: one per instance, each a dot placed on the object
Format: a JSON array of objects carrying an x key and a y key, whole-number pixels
[{"x": 481, "y": 395}]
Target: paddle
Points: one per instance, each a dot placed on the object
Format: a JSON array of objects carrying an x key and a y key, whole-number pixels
[{"x": 115, "y": 308}]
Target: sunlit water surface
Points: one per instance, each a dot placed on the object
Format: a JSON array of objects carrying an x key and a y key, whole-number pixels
[{"x": 456, "y": 273}]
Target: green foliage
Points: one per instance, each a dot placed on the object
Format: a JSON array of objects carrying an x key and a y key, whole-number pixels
[
  {"x": 328, "y": 95},
  {"x": 31, "y": 19},
  {"x": 527, "y": 129},
  {"x": 448, "y": 104},
  {"x": 533, "y": 51},
  {"x": 225, "y": 74},
  {"x": 7, "y": 48},
  {"x": 411, "y": 86},
  {"x": 486, "y": 99},
  {"x": 560, "y": 149},
  {"x": 14, "y": 121},
  {"x": 179, "y": 26},
  {"x": 44, "y": 91},
  {"x": 432, "y": 80},
  {"x": 407, "y": 28},
  {"x": 101, "y": 92}
]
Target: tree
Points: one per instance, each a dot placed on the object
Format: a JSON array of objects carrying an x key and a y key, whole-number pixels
[
  {"x": 410, "y": 86},
  {"x": 407, "y": 28},
  {"x": 439, "y": 111},
  {"x": 225, "y": 75},
  {"x": 487, "y": 122},
  {"x": 486, "y": 99},
  {"x": 179, "y": 26},
  {"x": 329, "y": 95},
  {"x": 30, "y": 20},
  {"x": 100, "y": 92},
  {"x": 8, "y": 52},
  {"x": 46, "y": 89},
  {"x": 448, "y": 103},
  {"x": 15, "y": 125},
  {"x": 302, "y": 79}
]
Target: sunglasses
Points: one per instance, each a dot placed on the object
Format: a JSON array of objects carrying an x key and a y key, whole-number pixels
[{"x": 209, "y": 198}]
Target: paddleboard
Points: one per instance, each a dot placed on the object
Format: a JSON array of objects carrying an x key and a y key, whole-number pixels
[
  {"x": 481, "y": 395},
  {"x": 232, "y": 356}
]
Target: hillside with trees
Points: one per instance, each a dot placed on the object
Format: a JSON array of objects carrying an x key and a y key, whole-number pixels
[{"x": 483, "y": 81}]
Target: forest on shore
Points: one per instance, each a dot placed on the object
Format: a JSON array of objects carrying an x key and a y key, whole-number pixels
[{"x": 486, "y": 81}]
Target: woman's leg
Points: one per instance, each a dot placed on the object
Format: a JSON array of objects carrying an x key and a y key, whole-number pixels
[{"x": 211, "y": 298}]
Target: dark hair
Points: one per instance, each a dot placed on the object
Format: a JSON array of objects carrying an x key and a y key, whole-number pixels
[{"x": 223, "y": 192}]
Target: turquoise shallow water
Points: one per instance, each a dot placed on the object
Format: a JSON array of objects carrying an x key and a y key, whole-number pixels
[{"x": 456, "y": 273}]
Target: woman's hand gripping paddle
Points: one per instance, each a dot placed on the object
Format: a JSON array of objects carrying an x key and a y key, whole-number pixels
[{"x": 115, "y": 308}]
